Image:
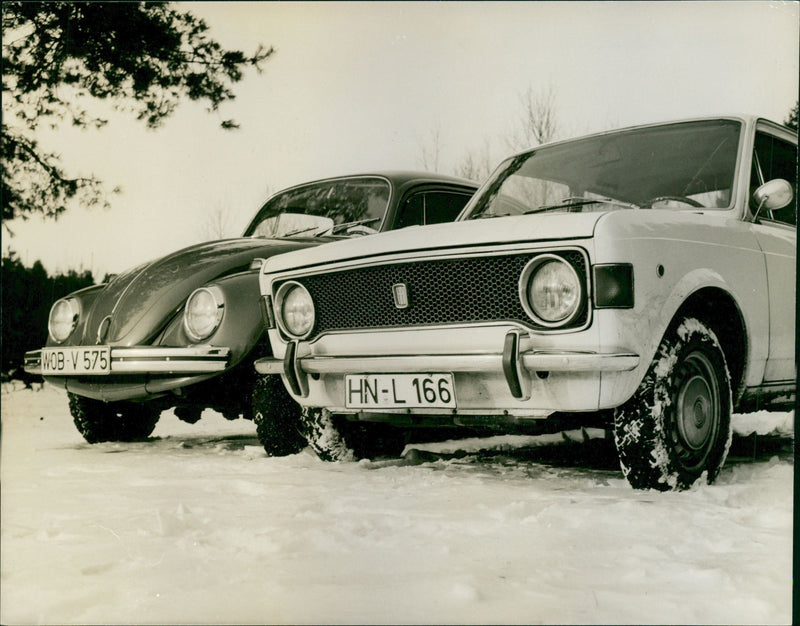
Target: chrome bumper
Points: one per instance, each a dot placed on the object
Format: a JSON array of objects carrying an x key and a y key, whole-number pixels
[
  {"x": 516, "y": 365},
  {"x": 147, "y": 360}
]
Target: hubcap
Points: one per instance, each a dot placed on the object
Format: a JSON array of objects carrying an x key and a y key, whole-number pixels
[{"x": 698, "y": 406}]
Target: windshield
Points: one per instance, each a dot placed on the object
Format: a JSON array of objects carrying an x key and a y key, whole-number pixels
[
  {"x": 685, "y": 165},
  {"x": 315, "y": 208}
]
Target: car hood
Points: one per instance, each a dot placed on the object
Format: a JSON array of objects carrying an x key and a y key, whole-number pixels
[
  {"x": 141, "y": 300},
  {"x": 484, "y": 232}
]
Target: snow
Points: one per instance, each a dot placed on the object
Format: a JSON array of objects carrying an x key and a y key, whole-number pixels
[{"x": 198, "y": 525}]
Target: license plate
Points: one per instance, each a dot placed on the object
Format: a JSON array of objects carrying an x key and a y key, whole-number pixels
[
  {"x": 399, "y": 391},
  {"x": 76, "y": 360}
]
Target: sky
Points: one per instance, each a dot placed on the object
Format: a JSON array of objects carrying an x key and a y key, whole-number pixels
[{"x": 357, "y": 87}]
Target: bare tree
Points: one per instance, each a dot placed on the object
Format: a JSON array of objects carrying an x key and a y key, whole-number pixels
[
  {"x": 538, "y": 121},
  {"x": 222, "y": 220},
  {"x": 218, "y": 224},
  {"x": 430, "y": 150},
  {"x": 476, "y": 165},
  {"x": 537, "y": 124}
]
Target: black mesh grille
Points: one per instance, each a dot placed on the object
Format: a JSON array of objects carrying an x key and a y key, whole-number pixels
[{"x": 476, "y": 289}]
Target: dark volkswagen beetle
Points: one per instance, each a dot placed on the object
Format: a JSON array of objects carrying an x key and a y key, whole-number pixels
[{"x": 184, "y": 330}]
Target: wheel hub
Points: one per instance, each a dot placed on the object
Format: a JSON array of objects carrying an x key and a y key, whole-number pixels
[
  {"x": 696, "y": 412},
  {"x": 699, "y": 412}
]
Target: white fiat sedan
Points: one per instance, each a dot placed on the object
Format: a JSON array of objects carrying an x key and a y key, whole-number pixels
[{"x": 641, "y": 280}]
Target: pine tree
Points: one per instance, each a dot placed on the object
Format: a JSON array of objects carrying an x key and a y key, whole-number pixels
[
  {"x": 146, "y": 57},
  {"x": 791, "y": 120}
]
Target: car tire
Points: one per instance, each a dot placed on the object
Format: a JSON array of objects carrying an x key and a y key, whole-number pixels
[
  {"x": 333, "y": 438},
  {"x": 101, "y": 421},
  {"x": 677, "y": 426},
  {"x": 277, "y": 417}
]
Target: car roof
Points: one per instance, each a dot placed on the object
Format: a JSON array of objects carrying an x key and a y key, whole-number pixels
[
  {"x": 744, "y": 118},
  {"x": 398, "y": 177}
]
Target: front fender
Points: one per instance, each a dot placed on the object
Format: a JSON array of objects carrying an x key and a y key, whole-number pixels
[
  {"x": 642, "y": 328},
  {"x": 754, "y": 313},
  {"x": 673, "y": 258},
  {"x": 242, "y": 326},
  {"x": 86, "y": 297}
]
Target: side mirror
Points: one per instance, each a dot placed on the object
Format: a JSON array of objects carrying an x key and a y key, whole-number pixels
[{"x": 773, "y": 195}]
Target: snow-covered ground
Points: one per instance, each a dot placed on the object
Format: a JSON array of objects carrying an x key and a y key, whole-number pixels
[{"x": 199, "y": 526}]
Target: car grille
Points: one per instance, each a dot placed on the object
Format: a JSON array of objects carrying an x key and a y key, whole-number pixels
[{"x": 472, "y": 289}]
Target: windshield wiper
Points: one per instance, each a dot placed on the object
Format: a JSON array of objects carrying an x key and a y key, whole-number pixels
[
  {"x": 340, "y": 227},
  {"x": 331, "y": 231},
  {"x": 568, "y": 203},
  {"x": 298, "y": 232}
]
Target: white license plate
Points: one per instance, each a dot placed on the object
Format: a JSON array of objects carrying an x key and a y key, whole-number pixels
[
  {"x": 399, "y": 391},
  {"x": 76, "y": 360}
]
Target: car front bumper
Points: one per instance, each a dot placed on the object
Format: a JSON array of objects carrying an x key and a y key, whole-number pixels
[
  {"x": 516, "y": 380},
  {"x": 146, "y": 360},
  {"x": 138, "y": 373}
]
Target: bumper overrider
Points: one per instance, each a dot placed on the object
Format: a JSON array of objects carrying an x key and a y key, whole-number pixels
[{"x": 518, "y": 360}]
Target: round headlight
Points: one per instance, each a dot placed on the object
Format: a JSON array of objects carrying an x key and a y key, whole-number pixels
[
  {"x": 203, "y": 312},
  {"x": 295, "y": 309},
  {"x": 63, "y": 318},
  {"x": 550, "y": 290}
]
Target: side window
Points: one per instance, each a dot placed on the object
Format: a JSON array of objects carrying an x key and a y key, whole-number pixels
[
  {"x": 442, "y": 206},
  {"x": 775, "y": 158},
  {"x": 412, "y": 212},
  {"x": 431, "y": 207}
]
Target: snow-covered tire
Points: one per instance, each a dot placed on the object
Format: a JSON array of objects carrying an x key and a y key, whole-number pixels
[
  {"x": 101, "y": 421},
  {"x": 677, "y": 426},
  {"x": 277, "y": 417},
  {"x": 333, "y": 438}
]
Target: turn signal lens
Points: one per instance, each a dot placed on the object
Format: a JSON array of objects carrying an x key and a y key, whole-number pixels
[
  {"x": 63, "y": 319},
  {"x": 295, "y": 309},
  {"x": 203, "y": 312},
  {"x": 613, "y": 286},
  {"x": 552, "y": 290}
]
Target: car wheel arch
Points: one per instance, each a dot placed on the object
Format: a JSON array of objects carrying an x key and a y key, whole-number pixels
[
  {"x": 710, "y": 302},
  {"x": 719, "y": 310},
  {"x": 702, "y": 293}
]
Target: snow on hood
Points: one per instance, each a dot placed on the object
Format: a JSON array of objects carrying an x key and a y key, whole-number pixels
[{"x": 500, "y": 230}]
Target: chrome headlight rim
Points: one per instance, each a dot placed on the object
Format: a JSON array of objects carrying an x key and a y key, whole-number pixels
[
  {"x": 280, "y": 298},
  {"x": 218, "y": 308},
  {"x": 527, "y": 275},
  {"x": 74, "y": 313}
]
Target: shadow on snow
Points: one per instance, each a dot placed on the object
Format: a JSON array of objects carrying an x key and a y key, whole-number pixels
[{"x": 584, "y": 454}]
